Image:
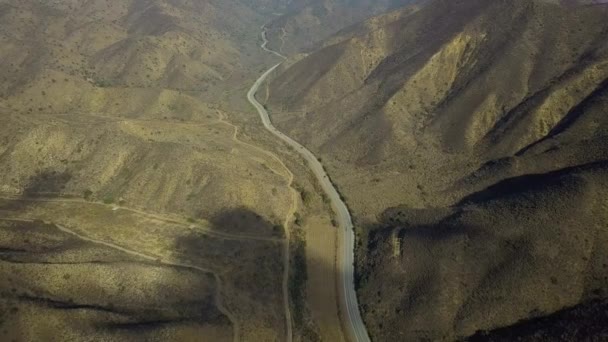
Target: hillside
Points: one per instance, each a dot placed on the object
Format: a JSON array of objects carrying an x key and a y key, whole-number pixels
[
  {"x": 172, "y": 44},
  {"x": 131, "y": 208},
  {"x": 141, "y": 198},
  {"x": 483, "y": 122},
  {"x": 582, "y": 322},
  {"x": 524, "y": 248}
]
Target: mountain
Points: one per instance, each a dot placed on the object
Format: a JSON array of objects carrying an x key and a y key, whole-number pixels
[
  {"x": 307, "y": 23},
  {"x": 470, "y": 142},
  {"x": 141, "y": 199},
  {"x": 399, "y": 96}
]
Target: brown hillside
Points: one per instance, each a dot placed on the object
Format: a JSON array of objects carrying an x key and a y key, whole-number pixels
[
  {"x": 140, "y": 43},
  {"x": 131, "y": 208},
  {"x": 484, "y": 122}
]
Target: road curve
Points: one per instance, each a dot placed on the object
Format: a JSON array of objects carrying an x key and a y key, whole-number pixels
[{"x": 354, "y": 323}]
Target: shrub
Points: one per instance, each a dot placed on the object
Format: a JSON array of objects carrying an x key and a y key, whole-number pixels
[
  {"x": 297, "y": 282},
  {"x": 298, "y": 219},
  {"x": 305, "y": 195},
  {"x": 277, "y": 229}
]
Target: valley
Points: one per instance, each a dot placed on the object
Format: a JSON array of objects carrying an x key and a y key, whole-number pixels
[
  {"x": 320, "y": 170},
  {"x": 356, "y": 327}
]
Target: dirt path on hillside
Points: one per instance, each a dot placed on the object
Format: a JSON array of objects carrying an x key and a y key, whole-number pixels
[{"x": 286, "y": 225}]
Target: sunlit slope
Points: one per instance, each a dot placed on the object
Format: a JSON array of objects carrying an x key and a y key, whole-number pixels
[
  {"x": 112, "y": 129},
  {"x": 96, "y": 90},
  {"x": 140, "y": 43},
  {"x": 191, "y": 169},
  {"x": 463, "y": 79}
]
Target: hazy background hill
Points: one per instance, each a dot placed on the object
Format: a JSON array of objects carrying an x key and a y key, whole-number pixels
[
  {"x": 307, "y": 23},
  {"x": 489, "y": 117},
  {"x": 175, "y": 44}
]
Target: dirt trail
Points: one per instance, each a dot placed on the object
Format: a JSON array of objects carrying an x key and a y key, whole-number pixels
[
  {"x": 288, "y": 219},
  {"x": 158, "y": 260},
  {"x": 203, "y": 230},
  {"x": 283, "y": 171}
]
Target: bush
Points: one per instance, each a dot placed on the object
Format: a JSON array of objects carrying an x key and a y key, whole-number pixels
[
  {"x": 305, "y": 195},
  {"x": 277, "y": 229},
  {"x": 297, "y": 281},
  {"x": 103, "y": 83},
  {"x": 298, "y": 219}
]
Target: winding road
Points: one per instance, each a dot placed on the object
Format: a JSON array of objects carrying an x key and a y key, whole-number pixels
[{"x": 353, "y": 322}]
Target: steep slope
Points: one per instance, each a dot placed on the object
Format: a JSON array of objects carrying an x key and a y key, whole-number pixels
[
  {"x": 526, "y": 247},
  {"x": 488, "y": 118},
  {"x": 482, "y": 83}
]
